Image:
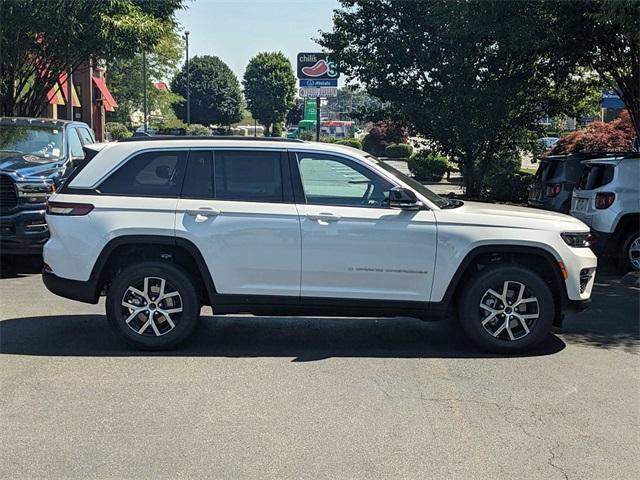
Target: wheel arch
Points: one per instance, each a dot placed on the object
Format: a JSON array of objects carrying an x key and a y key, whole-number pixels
[
  {"x": 138, "y": 247},
  {"x": 528, "y": 256}
]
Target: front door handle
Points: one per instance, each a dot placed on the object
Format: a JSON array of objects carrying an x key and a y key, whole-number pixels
[{"x": 324, "y": 217}]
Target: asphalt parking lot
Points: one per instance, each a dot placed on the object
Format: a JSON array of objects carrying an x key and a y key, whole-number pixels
[{"x": 259, "y": 398}]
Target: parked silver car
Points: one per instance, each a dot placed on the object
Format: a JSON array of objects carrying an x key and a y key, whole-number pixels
[{"x": 607, "y": 198}]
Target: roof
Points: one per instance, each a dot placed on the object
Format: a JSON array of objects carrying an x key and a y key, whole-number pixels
[
  {"x": 49, "y": 122},
  {"x": 114, "y": 152},
  {"x": 213, "y": 138}
]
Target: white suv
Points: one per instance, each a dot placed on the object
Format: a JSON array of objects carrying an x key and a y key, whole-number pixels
[
  {"x": 164, "y": 226},
  {"x": 607, "y": 198}
]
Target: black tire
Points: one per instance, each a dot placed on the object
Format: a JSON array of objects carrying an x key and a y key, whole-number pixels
[
  {"x": 158, "y": 334},
  {"x": 472, "y": 315},
  {"x": 624, "y": 259}
]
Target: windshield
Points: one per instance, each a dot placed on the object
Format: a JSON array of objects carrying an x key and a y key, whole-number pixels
[
  {"x": 30, "y": 140},
  {"x": 439, "y": 201}
]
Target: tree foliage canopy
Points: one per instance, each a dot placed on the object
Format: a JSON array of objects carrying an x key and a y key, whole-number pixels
[
  {"x": 126, "y": 77},
  {"x": 269, "y": 88},
  {"x": 472, "y": 76},
  {"x": 610, "y": 38},
  {"x": 39, "y": 39},
  {"x": 216, "y": 97}
]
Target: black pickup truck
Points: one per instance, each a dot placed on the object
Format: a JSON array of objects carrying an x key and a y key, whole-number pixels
[{"x": 36, "y": 154}]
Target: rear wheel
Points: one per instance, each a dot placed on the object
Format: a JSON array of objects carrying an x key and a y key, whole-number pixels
[
  {"x": 630, "y": 252},
  {"x": 153, "y": 305},
  {"x": 506, "y": 309}
]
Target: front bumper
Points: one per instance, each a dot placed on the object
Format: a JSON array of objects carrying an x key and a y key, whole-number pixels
[{"x": 23, "y": 232}]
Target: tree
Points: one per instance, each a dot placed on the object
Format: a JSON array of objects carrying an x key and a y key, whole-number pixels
[
  {"x": 614, "y": 136},
  {"x": 270, "y": 88},
  {"x": 474, "y": 77},
  {"x": 609, "y": 31},
  {"x": 40, "y": 39},
  {"x": 126, "y": 78},
  {"x": 216, "y": 97}
]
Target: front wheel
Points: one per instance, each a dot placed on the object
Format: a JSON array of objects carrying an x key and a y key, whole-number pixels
[
  {"x": 506, "y": 309},
  {"x": 153, "y": 305}
]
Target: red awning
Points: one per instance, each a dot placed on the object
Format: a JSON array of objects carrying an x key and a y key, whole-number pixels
[{"x": 109, "y": 102}]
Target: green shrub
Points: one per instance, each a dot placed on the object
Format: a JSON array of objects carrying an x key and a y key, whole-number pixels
[
  {"x": 427, "y": 166},
  {"x": 198, "y": 130},
  {"x": 350, "y": 142},
  {"x": 506, "y": 182},
  {"x": 307, "y": 136},
  {"x": 276, "y": 130},
  {"x": 398, "y": 150},
  {"x": 328, "y": 139},
  {"x": 117, "y": 130}
]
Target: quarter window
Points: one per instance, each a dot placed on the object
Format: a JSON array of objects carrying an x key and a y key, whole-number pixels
[
  {"x": 329, "y": 180},
  {"x": 153, "y": 174}
]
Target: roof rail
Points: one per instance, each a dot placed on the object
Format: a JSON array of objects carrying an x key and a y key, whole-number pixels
[
  {"x": 211, "y": 137},
  {"x": 592, "y": 155}
]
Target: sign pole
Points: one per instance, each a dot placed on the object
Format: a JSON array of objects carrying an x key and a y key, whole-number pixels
[{"x": 317, "y": 119}]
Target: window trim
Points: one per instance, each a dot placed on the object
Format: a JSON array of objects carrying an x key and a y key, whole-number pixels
[
  {"x": 131, "y": 157},
  {"x": 301, "y": 195}
]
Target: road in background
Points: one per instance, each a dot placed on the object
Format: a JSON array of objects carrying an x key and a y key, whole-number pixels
[{"x": 265, "y": 397}]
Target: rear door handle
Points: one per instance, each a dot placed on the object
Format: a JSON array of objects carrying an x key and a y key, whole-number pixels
[
  {"x": 204, "y": 212},
  {"x": 324, "y": 217}
]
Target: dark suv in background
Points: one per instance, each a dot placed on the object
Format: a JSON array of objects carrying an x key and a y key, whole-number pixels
[
  {"x": 555, "y": 180},
  {"x": 35, "y": 155}
]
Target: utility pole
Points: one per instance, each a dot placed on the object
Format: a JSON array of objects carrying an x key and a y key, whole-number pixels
[
  {"x": 317, "y": 119},
  {"x": 145, "y": 106},
  {"x": 70, "y": 93},
  {"x": 186, "y": 34}
]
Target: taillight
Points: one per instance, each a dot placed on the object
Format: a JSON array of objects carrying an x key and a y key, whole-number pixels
[
  {"x": 69, "y": 209},
  {"x": 604, "y": 200},
  {"x": 553, "y": 189}
]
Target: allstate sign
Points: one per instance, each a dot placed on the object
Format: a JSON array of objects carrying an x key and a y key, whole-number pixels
[{"x": 316, "y": 66}]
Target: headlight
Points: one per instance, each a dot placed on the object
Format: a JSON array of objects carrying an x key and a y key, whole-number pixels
[
  {"x": 577, "y": 239},
  {"x": 35, "y": 192}
]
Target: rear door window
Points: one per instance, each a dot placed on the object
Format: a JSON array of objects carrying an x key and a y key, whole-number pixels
[
  {"x": 248, "y": 176},
  {"x": 150, "y": 174},
  {"x": 237, "y": 175}
]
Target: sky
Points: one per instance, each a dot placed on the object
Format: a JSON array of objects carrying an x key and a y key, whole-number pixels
[{"x": 236, "y": 30}]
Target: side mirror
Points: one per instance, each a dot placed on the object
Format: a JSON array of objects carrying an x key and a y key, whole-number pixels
[{"x": 400, "y": 197}]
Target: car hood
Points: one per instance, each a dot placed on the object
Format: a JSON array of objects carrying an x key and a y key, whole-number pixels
[
  {"x": 500, "y": 216},
  {"x": 26, "y": 166}
]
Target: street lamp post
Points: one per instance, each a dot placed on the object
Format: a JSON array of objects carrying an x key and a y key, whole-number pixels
[
  {"x": 186, "y": 34},
  {"x": 145, "y": 106}
]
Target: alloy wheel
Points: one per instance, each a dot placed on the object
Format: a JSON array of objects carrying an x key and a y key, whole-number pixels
[
  {"x": 151, "y": 307},
  {"x": 634, "y": 253},
  {"x": 509, "y": 311}
]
